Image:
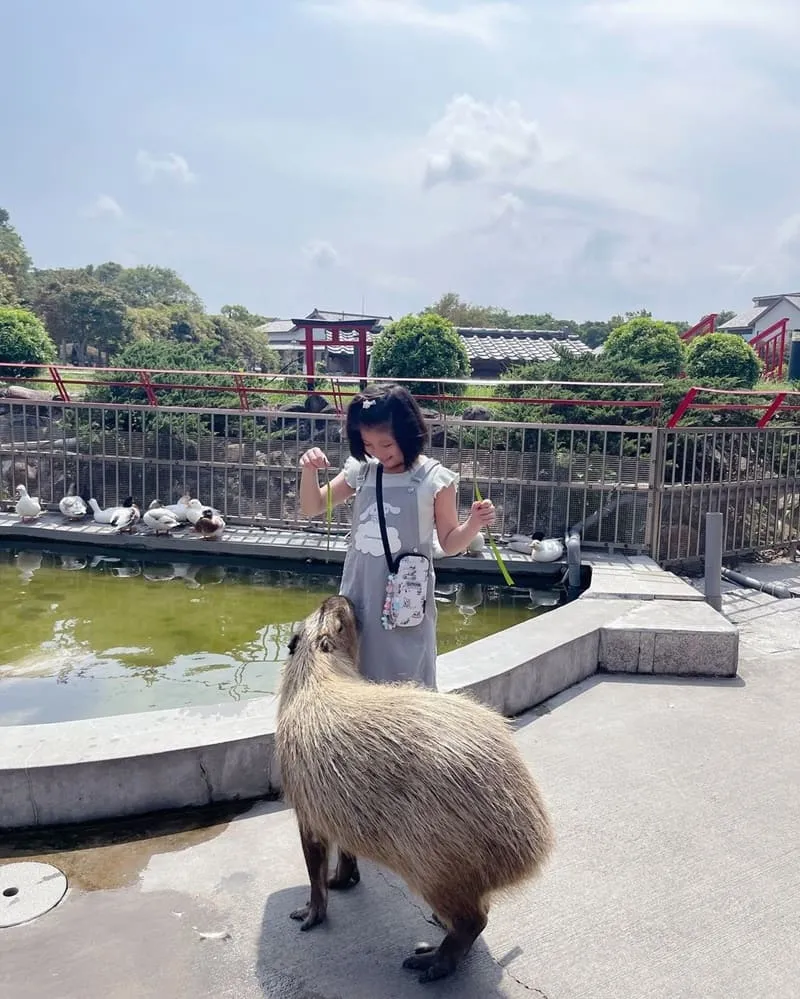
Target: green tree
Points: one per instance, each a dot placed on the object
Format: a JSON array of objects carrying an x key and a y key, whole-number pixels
[
  {"x": 239, "y": 342},
  {"x": 239, "y": 314},
  {"x": 425, "y": 346},
  {"x": 143, "y": 287},
  {"x": 724, "y": 317},
  {"x": 80, "y": 311},
  {"x": 15, "y": 264},
  {"x": 24, "y": 340},
  {"x": 649, "y": 344},
  {"x": 177, "y": 322},
  {"x": 169, "y": 355},
  {"x": 450, "y": 306},
  {"x": 220, "y": 338},
  {"x": 723, "y": 356}
]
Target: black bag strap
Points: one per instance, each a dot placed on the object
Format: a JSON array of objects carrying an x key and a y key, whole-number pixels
[{"x": 382, "y": 518}]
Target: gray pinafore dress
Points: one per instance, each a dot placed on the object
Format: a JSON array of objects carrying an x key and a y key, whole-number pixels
[{"x": 401, "y": 654}]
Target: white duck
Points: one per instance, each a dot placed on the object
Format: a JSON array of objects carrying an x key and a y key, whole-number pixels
[
  {"x": 179, "y": 509},
  {"x": 28, "y": 507},
  {"x": 71, "y": 506},
  {"x": 195, "y": 510},
  {"x": 210, "y": 525},
  {"x": 160, "y": 519},
  {"x": 122, "y": 517},
  {"x": 546, "y": 549}
]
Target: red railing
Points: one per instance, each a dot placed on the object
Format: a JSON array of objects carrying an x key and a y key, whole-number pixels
[
  {"x": 707, "y": 324},
  {"x": 777, "y": 402},
  {"x": 770, "y": 345},
  {"x": 341, "y": 388}
]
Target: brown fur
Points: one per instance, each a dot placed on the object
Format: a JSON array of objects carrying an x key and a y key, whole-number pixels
[{"x": 429, "y": 785}]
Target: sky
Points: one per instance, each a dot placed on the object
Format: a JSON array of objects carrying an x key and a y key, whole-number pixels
[{"x": 581, "y": 157}]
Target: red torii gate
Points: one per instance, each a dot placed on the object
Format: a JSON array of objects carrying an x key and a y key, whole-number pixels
[{"x": 333, "y": 329}]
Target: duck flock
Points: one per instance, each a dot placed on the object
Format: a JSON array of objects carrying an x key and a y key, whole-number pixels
[{"x": 159, "y": 519}]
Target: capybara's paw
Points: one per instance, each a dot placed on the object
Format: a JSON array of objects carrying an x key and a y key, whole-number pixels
[
  {"x": 310, "y": 916},
  {"x": 429, "y": 961},
  {"x": 347, "y": 874},
  {"x": 345, "y": 881},
  {"x": 423, "y": 957}
]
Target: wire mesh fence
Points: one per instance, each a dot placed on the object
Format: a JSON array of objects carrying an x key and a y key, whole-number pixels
[{"x": 637, "y": 489}]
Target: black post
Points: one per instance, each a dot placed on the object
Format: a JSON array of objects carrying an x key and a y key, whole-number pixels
[{"x": 794, "y": 357}]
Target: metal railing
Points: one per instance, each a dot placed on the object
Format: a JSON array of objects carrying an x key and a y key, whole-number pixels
[
  {"x": 751, "y": 476},
  {"x": 638, "y": 489}
]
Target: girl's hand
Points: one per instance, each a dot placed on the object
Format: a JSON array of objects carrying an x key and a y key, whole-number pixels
[
  {"x": 314, "y": 458},
  {"x": 482, "y": 513}
]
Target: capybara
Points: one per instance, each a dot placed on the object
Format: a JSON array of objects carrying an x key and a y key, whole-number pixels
[{"x": 429, "y": 785}]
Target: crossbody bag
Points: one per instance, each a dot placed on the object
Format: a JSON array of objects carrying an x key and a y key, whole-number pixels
[{"x": 407, "y": 585}]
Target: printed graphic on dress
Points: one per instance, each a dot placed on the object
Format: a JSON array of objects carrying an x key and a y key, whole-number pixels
[{"x": 368, "y": 532}]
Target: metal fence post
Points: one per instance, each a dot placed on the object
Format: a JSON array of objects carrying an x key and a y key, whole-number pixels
[
  {"x": 655, "y": 489},
  {"x": 712, "y": 563}
]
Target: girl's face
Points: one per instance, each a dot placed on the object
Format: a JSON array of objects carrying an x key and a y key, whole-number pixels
[{"x": 380, "y": 443}]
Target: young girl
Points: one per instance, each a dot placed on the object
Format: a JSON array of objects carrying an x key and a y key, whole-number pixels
[{"x": 385, "y": 426}]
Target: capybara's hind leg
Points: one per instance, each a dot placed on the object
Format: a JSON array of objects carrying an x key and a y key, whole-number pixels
[
  {"x": 316, "y": 853},
  {"x": 347, "y": 874},
  {"x": 443, "y": 961}
]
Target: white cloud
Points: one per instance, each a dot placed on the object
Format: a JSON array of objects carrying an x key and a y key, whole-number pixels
[
  {"x": 320, "y": 253},
  {"x": 500, "y": 145},
  {"x": 170, "y": 165},
  {"x": 483, "y": 22},
  {"x": 474, "y": 141},
  {"x": 509, "y": 210},
  {"x": 772, "y": 16},
  {"x": 104, "y": 204}
]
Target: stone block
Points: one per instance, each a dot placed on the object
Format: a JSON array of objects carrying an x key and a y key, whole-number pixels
[{"x": 679, "y": 638}]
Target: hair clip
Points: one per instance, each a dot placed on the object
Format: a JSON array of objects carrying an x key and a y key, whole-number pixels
[{"x": 368, "y": 402}]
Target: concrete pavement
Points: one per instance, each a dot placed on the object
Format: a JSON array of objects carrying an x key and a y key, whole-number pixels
[{"x": 677, "y": 872}]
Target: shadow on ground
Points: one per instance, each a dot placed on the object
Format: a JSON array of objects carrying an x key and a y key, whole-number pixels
[{"x": 358, "y": 952}]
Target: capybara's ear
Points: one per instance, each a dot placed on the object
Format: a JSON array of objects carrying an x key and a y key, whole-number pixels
[
  {"x": 325, "y": 644},
  {"x": 293, "y": 643}
]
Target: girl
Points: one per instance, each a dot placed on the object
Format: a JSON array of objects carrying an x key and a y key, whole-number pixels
[{"x": 386, "y": 427}]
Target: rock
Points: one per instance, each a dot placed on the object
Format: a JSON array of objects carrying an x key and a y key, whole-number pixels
[
  {"x": 315, "y": 403},
  {"x": 25, "y": 393},
  {"x": 440, "y": 439},
  {"x": 477, "y": 413}
]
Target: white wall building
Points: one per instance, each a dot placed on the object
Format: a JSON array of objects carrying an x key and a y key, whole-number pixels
[{"x": 767, "y": 310}]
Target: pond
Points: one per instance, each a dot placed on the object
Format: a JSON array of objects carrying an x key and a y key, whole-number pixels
[{"x": 92, "y": 635}]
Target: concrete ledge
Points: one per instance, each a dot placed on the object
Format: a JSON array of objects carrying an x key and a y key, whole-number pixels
[
  {"x": 679, "y": 639},
  {"x": 126, "y": 765},
  {"x": 634, "y": 577}
]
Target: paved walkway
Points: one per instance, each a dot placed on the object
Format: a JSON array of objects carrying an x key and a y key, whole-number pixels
[{"x": 677, "y": 874}]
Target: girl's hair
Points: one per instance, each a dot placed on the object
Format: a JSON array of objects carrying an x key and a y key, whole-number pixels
[{"x": 393, "y": 407}]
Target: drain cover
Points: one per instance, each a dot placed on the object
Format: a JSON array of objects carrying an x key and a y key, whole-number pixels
[{"x": 28, "y": 890}]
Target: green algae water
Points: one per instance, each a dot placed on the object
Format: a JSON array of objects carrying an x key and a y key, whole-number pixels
[{"x": 87, "y": 636}]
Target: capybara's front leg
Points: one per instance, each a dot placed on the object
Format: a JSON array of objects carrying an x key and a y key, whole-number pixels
[
  {"x": 443, "y": 961},
  {"x": 346, "y": 874},
  {"x": 315, "y": 851}
]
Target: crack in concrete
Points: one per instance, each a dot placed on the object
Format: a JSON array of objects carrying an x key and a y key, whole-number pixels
[
  {"x": 428, "y": 919},
  {"x": 207, "y": 780},
  {"x": 34, "y": 806}
]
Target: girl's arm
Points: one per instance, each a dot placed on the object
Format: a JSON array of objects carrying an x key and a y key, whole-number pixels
[
  {"x": 313, "y": 497},
  {"x": 455, "y": 537}
]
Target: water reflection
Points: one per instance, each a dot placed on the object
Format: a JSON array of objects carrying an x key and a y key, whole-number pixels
[{"x": 85, "y": 636}]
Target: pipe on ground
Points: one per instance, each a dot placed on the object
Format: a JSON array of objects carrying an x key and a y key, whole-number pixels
[{"x": 778, "y": 590}]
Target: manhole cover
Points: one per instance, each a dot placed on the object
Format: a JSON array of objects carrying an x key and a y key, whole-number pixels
[{"x": 28, "y": 890}]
